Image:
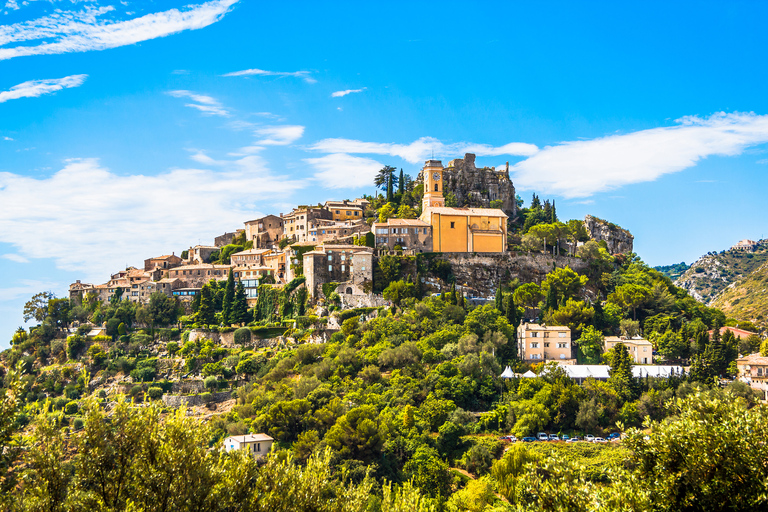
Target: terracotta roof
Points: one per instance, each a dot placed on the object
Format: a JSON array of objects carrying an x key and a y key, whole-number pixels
[
  {"x": 250, "y": 251},
  {"x": 482, "y": 212},
  {"x": 736, "y": 332},
  {"x": 203, "y": 266},
  {"x": 546, "y": 327},
  {"x": 633, "y": 341},
  {"x": 755, "y": 358}
]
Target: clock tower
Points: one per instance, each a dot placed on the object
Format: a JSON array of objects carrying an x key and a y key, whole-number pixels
[{"x": 433, "y": 185}]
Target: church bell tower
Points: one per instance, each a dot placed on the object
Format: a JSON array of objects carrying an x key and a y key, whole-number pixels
[{"x": 433, "y": 185}]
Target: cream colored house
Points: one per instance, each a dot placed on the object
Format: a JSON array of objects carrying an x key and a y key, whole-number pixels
[
  {"x": 257, "y": 445},
  {"x": 753, "y": 369},
  {"x": 543, "y": 343},
  {"x": 640, "y": 350}
]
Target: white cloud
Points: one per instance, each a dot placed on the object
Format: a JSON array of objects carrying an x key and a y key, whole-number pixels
[
  {"x": 35, "y": 88},
  {"x": 18, "y": 258},
  {"x": 95, "y": 221},
  {"x": 205, "y": 104},
  {"x": 582, "y": 168},
  {"x": 279, "y": 135},
  {"x": 5, "y": 137},
  {"x": 305, "y": 75},
  {"x": 66, "y": 32},
  {"x": 344, "y": 171},
  {"x": 421, "y": 149},
  {"x": 339, "y": 94}
]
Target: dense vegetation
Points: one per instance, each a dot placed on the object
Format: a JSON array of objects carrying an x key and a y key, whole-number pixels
[{"x": 386, "y": 412}]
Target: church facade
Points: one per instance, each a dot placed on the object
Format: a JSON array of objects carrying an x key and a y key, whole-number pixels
[{"x": 459, "y": 229}]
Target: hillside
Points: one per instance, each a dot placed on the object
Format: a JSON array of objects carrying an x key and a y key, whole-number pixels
[
  {"x": 747, "y": 298},
  {"x": 711, "y": 274},
  {"x": 673, "y": 271}
]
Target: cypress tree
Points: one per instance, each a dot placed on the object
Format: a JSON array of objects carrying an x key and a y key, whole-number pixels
[
  {"x": 401, "y": 184},
  {"x": 227, "y": 301},
  {"x": 499, "y": 300},
  {"x": 510, "y": 310},
  {"x": 389, "y": 186},
  {"x": 554, "y": 213},
  {"x": 206, "y": 314},
  {"x": 453, "y": 294},
  {"x": 551, "y": 301},
  {"x": 535, "y": 203},
  {"x": 547, "y": 211},
  {"x": 239, "y": 313}
]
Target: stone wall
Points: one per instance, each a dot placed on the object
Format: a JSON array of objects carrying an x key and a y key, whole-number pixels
[
  {"x": 482, "y": 272},
  {"x": 227, "y": 339},
  {"x": 195, "y": 400},
  {"x": 619, "y": 240}
]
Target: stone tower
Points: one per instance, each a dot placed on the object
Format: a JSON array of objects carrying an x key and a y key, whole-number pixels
[{"x": 433, "y": 185}]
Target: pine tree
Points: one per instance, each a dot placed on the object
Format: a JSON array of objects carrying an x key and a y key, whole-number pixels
[
  {"x": 229, "y": 297},
  {"x": 554, "y": 213},
  {"x": 239, "y": 311},
  {"x": 499, "y": 300},
  {"x": 206, "y": 314},
  {"x": 535, "y": 203},
  {"x": 401, "y": 184},
  {"x": 547, "y": 211},
  {"x": 453, "y": 294}
]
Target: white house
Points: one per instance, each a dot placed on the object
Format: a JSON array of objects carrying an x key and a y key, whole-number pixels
[{"x": 257, "y": 445}]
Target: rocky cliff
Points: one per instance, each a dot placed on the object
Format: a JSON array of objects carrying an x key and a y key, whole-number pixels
[
  {"x": 619, "y": 240},
  {"x": 478, "y": 187}
]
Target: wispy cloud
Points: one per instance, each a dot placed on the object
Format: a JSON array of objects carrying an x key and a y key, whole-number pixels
[
  {"x": 279, "y": 135},
  {"x": 66, "y": 32},
  {"x": 762, "y": 161},
  {"x": 35, "y": 88},
  {"x": 344, "y": 171},
  {"x": 5, "y": 137},
  {"x": 339, "y": 94},
  {"x": 123, "y": 218},
  {"x": 205, "y": 104},
  {"x": 582, "y": 168},
  {"x": 27, "y": 288},
  {"x": 18, "y": 258},
  {"x": 421, "y": 149},
  {"x": 305, "y": 75}
]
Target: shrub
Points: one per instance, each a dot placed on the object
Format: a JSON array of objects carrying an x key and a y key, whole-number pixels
[
  {"x": 101, "y": 338},
  {"x": 172, "y": 347},
  {"x": 78, "y": 423},
  {"x": 243, "y": 336},
  {"x": 210, "y": 382},
  {"x": 71, "y": 408},
  {"x": 136, "y": 390},
  {"x": 206, "y": 397},
  {"x": 155, "y": 393}
]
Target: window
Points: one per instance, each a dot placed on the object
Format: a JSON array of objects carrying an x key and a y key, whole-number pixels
[
  {"x": 759, "y": 372},
  {"x": 546, "y": 335},
  {"x": 535, "y": 344},
  {"x": 534, "y": 335},
  {"x": 436, "y": 188},
  {"x": 258, "y": 447},
  {"x": 330, "y": 257},
  {"x": 561, "y": 335},
  {"x": 546, "y": 344},
  {"x": 562, "y": 345},
  {"x": 342, "y": 268},
  {"x": 330, "y": 268},
  {"x": 453, "y": 224}
]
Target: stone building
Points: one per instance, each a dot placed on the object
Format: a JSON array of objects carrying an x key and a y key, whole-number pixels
[
  {"x": 344, "y": 210},
  {"x": 296, "y": 225},
  {"x": 476, "y": 188},
  {"x": 200, "y": 254},
  {"x": 459, "y": 229},
  {"x": 249, "y": 258},
  {"x": 226, "y": 238},
  {"x": 264, "y": 232},
  {"x": 408, "y": 234},
  {"x": 337, "y": 263},
  {"x": 543, "y": 343},
  {"x": 323, "y": 230},
  {"x": 162, "y": 262},
  {"x": 195, "y": 276}
]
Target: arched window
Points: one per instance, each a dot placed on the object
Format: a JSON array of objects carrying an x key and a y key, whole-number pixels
[
  {"x": 436, "y": 188},
  {"x": 349, "y": 291}
]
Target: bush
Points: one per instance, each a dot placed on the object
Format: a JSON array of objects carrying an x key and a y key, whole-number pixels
[
  {"x": 210, "y": 382},
  {"x": 206, "y": 397},
  {"x": 243, "y": 336},
  {"x": 101, "y": 338},
  {"x": 172, "y": 347},
  {"x": 136, "y": 390},
  {"x": 78, "y": 424},
  {"x": 155, "y": 393},
  {"x": 71, "y": 408}
]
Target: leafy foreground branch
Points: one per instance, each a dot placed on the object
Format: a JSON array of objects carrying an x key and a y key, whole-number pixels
[{"x": 709, "y": 456}]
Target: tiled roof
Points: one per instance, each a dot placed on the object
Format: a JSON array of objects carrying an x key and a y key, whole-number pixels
[
  {"x": 250, "y": 251},
  {"x": 402, "y": 222},
  {"x": 755, "y": 359},
  {"x": 739, "y": 333},
  {"x": 481, "y": 212}
]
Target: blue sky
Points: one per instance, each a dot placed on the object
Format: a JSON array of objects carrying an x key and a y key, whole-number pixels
[{"x": 131, "y": 129}]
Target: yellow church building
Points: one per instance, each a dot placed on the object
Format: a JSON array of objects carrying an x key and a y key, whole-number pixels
[{"x": 459, "y": 229}]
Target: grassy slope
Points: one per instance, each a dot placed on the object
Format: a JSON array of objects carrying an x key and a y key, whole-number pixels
[{"x": 747, "y": 299}]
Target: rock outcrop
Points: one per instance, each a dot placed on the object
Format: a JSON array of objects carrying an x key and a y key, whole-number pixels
[
  {"x": 478, "y": 187},
  {"x": 618, "y": 239}
]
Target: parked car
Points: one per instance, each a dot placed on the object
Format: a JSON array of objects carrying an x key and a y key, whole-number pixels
[
  {"x": 508, "y": 438},
  {"x": 613, "y": 435},
  {"x": 589, "y": 438},
  {"x": 574, "y": 439},
  {"x": 565, "y": 437},
  {"x": 528, "y": 439},
  {"x": 542, "y": 436},
  {"x": 599, "y": 440},
  {"x": 553, "y": 437}
]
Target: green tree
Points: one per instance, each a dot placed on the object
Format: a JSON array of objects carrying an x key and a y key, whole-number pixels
[
  {"x": 575, "y": 314},
  {"x": 406, "y": 212},
  {"x": 564, "y": 283},
  {"x": 630, "y": 296},
  {"x": 229, "y": 298},
  {"x": 37, "y": 306},
  {"x": 387, "y": 212},
  {"x": 239, "y": 313},
  {"x": 529, "y": 295},
  {"x": 620, "y": 371},
  {"x": 206, "y": 314},
  {"x": 59, "y": 311},
  {"x": 590, "y": 345}
]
